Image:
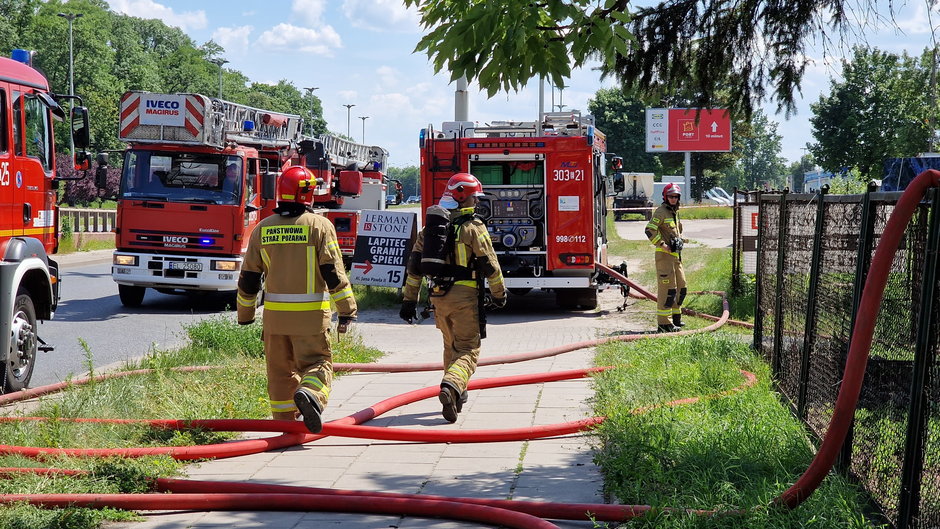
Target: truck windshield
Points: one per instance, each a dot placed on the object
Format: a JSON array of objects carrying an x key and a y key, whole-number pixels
[{"x": 182, "y": 177}]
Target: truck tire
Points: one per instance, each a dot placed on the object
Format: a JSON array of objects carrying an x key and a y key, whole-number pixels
[
  {"x": 19, "y": 364},
  {"x": 131, "y": 296},
  {"x": 576, "y": 298}
]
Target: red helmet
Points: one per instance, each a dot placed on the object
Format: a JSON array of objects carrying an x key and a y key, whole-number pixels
[
  {"x": 296, "y": 184},
  {"x": 462, "y": 186},
  {"x": 671, "y": 189}
]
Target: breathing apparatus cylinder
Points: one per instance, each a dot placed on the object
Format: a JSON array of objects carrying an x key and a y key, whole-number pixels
[{"x": 434, "y": 254}]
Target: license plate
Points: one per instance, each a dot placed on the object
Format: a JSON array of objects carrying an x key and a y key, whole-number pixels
[{"x": 190, "y": 267}]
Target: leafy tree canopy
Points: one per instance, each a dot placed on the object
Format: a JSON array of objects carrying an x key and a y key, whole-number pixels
[{"x": 701, "y": 47}]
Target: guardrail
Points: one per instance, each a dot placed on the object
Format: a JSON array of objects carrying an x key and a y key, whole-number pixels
[{"x": 82, "y": 220}]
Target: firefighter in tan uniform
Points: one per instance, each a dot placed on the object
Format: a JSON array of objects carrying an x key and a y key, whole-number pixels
[
  {"x": 297, "y": 255},
  {"x": 664, "y": 231},
  {"x": 456, "y": 297}
]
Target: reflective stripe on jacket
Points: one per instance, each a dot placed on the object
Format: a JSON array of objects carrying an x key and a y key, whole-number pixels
[{"x": 663, "y": 227}]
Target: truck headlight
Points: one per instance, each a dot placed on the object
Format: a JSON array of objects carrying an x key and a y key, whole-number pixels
[
  {"x": 225, "y": 266},
  {"x": 125, "y": 260}
]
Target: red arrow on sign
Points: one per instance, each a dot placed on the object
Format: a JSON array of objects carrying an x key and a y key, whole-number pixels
[{"x": 365, "y": 267}]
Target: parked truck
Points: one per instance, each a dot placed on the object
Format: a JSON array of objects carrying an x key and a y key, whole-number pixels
[
  {"x": 545, "y": 197},
  {"x": 633, "y": 191},
  {"x": 198, "y": 175},
  {"x": 29, "y": 278}
]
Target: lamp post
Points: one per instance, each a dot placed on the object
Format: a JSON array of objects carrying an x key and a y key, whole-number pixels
[
  {"x": 561, "y": 97},
  {"x": 310, "y": 90},
  {"x": 348, "y": 108},
  {"x": 363, "y": 118},
  {"x": 219, "y": 62},
  {"x": 71, "y": 18}
]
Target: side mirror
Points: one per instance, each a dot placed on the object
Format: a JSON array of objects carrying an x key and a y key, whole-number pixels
[
  {"x": 101, "y": 173},
  {"x": 81, "y": 136},
  {"x": 619, "y": 185},
  {"x": 269, "y": 186}
]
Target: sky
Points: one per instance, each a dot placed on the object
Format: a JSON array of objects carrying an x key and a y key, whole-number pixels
[{"x": 360, "y": 52}]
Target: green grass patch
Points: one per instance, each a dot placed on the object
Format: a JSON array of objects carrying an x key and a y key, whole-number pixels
[
  {"x": 709, "y": 212},
  {"x": 368, "y": 297},
  {"x": 234, "y": 389},
  {"x": 80, "y": 243},
  {"x": 728, "y": 452}
]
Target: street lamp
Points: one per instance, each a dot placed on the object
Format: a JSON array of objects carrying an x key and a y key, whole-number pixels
[
  {"x": 561, "y": 97},
  {"x": 363, "y": 118},
  {"x": 219, "y": 62},
  {"x": 310, "y": 90},
  {"x": 348, "y": 107},
  {"x": 71, "y": 18}
]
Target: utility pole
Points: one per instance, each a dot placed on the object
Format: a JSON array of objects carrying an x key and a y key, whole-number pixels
[
  {"x": 219, "y": 61},
  {"x": 363, "y": 118},
  {"x": 310, "y": 90},
  {"x": 561, "y": 97},
  {"x": 348, "y": 108},
  {"x": 71, "y": 18}
]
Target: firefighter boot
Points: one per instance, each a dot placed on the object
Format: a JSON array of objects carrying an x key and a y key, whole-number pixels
[
  {"x": 450, "y": 400},
  {"x": 309, "y": 408},
  {"x": 677, "y": 320},
  {"x": 463, "y": 400},
  {"x": 668, "y": 327}
]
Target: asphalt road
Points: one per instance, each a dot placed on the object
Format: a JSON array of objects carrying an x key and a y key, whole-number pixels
[
  {"x": 713, "y": 233},
  {"x": 89, "y": 311}
]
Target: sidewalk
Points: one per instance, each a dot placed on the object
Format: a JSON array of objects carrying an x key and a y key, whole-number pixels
[{"x": 555, "y": 470}]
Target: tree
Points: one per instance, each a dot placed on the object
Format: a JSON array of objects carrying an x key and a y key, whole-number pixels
[
  {"x": 623, "y": 120},
  {"x": 880, "y": 110},
  {"x": 409, "y": 177},
  {"x": 676, "y": 46},
  {"x": 759, "y": 159}
]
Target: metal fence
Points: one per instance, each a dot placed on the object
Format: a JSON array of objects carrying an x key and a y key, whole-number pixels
[
  {"x": 87, "y": 220},
  {"x": 813, "y": 255}
]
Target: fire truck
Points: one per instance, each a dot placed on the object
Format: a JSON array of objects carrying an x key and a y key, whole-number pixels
[
  {"x": 198, "y": 175},
  {"x": 29, "y": 278},
  {"x": 545, "y": 205},
  {"x": 350, "y": 178}
]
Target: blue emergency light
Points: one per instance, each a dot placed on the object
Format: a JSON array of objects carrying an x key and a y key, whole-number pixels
[
  {"x": 23, "y": 56},
  {"x": 248, "y": 125},
  {"x": 590, "y": 135},
  {"x": 205, "y": 241},
  {"x": 421, "y": 137}
]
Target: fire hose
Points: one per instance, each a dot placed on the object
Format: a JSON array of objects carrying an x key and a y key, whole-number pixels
[{"x": 239, "y": 496}]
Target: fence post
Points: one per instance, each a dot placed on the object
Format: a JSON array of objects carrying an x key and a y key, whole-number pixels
[
  {"x": 735, "y": 245},
  {"x": 781, "y": 261},
  {"x": 758, "y": 281},
  {"x": 912, "y": 469},
  {"x": 809, "y": 326},
  {"x": 866, "y": 237}
]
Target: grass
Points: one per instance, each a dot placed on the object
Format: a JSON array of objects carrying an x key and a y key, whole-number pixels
[
  {"x": 236, "y": 389},
  {"x": 729, "y": 452},
  {"x": 79, "y": 242}
]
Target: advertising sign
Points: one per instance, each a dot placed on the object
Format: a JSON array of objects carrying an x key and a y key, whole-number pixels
[
  {"x": 687, "y": 130},
  {"x": 163, "y": 109},
  {"x": 383, "y": 243}
]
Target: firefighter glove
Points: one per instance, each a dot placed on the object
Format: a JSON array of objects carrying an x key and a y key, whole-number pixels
[
  {"x": 409, "y": 311},
  {"x": 676, "y": 244},
  {"x": 343, "y": 324},
  {"x": 493, "y": 303}
]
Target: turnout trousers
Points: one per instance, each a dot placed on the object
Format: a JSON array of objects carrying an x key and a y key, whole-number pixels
[
  {"x": 456, "y": 314},
  {"x": 670, "y": 281},
  {"x": 293, "y": 361}
]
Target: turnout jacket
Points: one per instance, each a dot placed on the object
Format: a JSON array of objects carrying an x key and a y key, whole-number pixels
[
  {"x": 663, "y": 227},
  {"x": 300, "y": 261},
  {"x": 473, "y": 248}
]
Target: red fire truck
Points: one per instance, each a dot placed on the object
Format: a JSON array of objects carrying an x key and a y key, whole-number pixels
[
  {"x": 350, "y": 179},
  {"x": 198, "y": 176},
  {"x": 545, "y": 202},
  {"x": 29, "y": 278}
]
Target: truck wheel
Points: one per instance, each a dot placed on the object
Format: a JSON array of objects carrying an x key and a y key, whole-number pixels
[
  {"x": 131, "y": 296},
  {"x": 576, "y": 298},
  {"x": 18, "y": 368}
]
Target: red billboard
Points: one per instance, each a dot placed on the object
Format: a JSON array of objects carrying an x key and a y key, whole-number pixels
[{"x": 688, "y": 130}]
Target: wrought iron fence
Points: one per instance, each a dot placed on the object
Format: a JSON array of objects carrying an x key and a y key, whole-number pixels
[{"x": 814, "y": 252}]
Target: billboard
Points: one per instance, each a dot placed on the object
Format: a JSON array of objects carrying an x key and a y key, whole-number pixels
[{"x": 688, "y": 130}]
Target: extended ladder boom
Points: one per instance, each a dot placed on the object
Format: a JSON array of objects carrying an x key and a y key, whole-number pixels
[{"x": 345, "y": 153}]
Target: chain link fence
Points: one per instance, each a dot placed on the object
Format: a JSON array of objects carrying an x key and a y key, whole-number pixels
[{"x": 813, "y": 255}]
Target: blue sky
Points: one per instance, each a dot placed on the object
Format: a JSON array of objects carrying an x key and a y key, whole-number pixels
[{"x": 360, "y": 52}]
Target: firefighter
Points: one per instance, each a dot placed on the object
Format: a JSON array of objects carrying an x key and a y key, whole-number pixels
[
  {"x": 664, "y": 231},
  {"x": 456, "y": 299},
  {"x": 296, "y": 254}
]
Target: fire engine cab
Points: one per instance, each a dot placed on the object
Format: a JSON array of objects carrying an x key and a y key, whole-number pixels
[
  {"x": 191, "y": 189},
  {"x": 29, "y": 278},
  {"x": 545, "y": 196}
]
